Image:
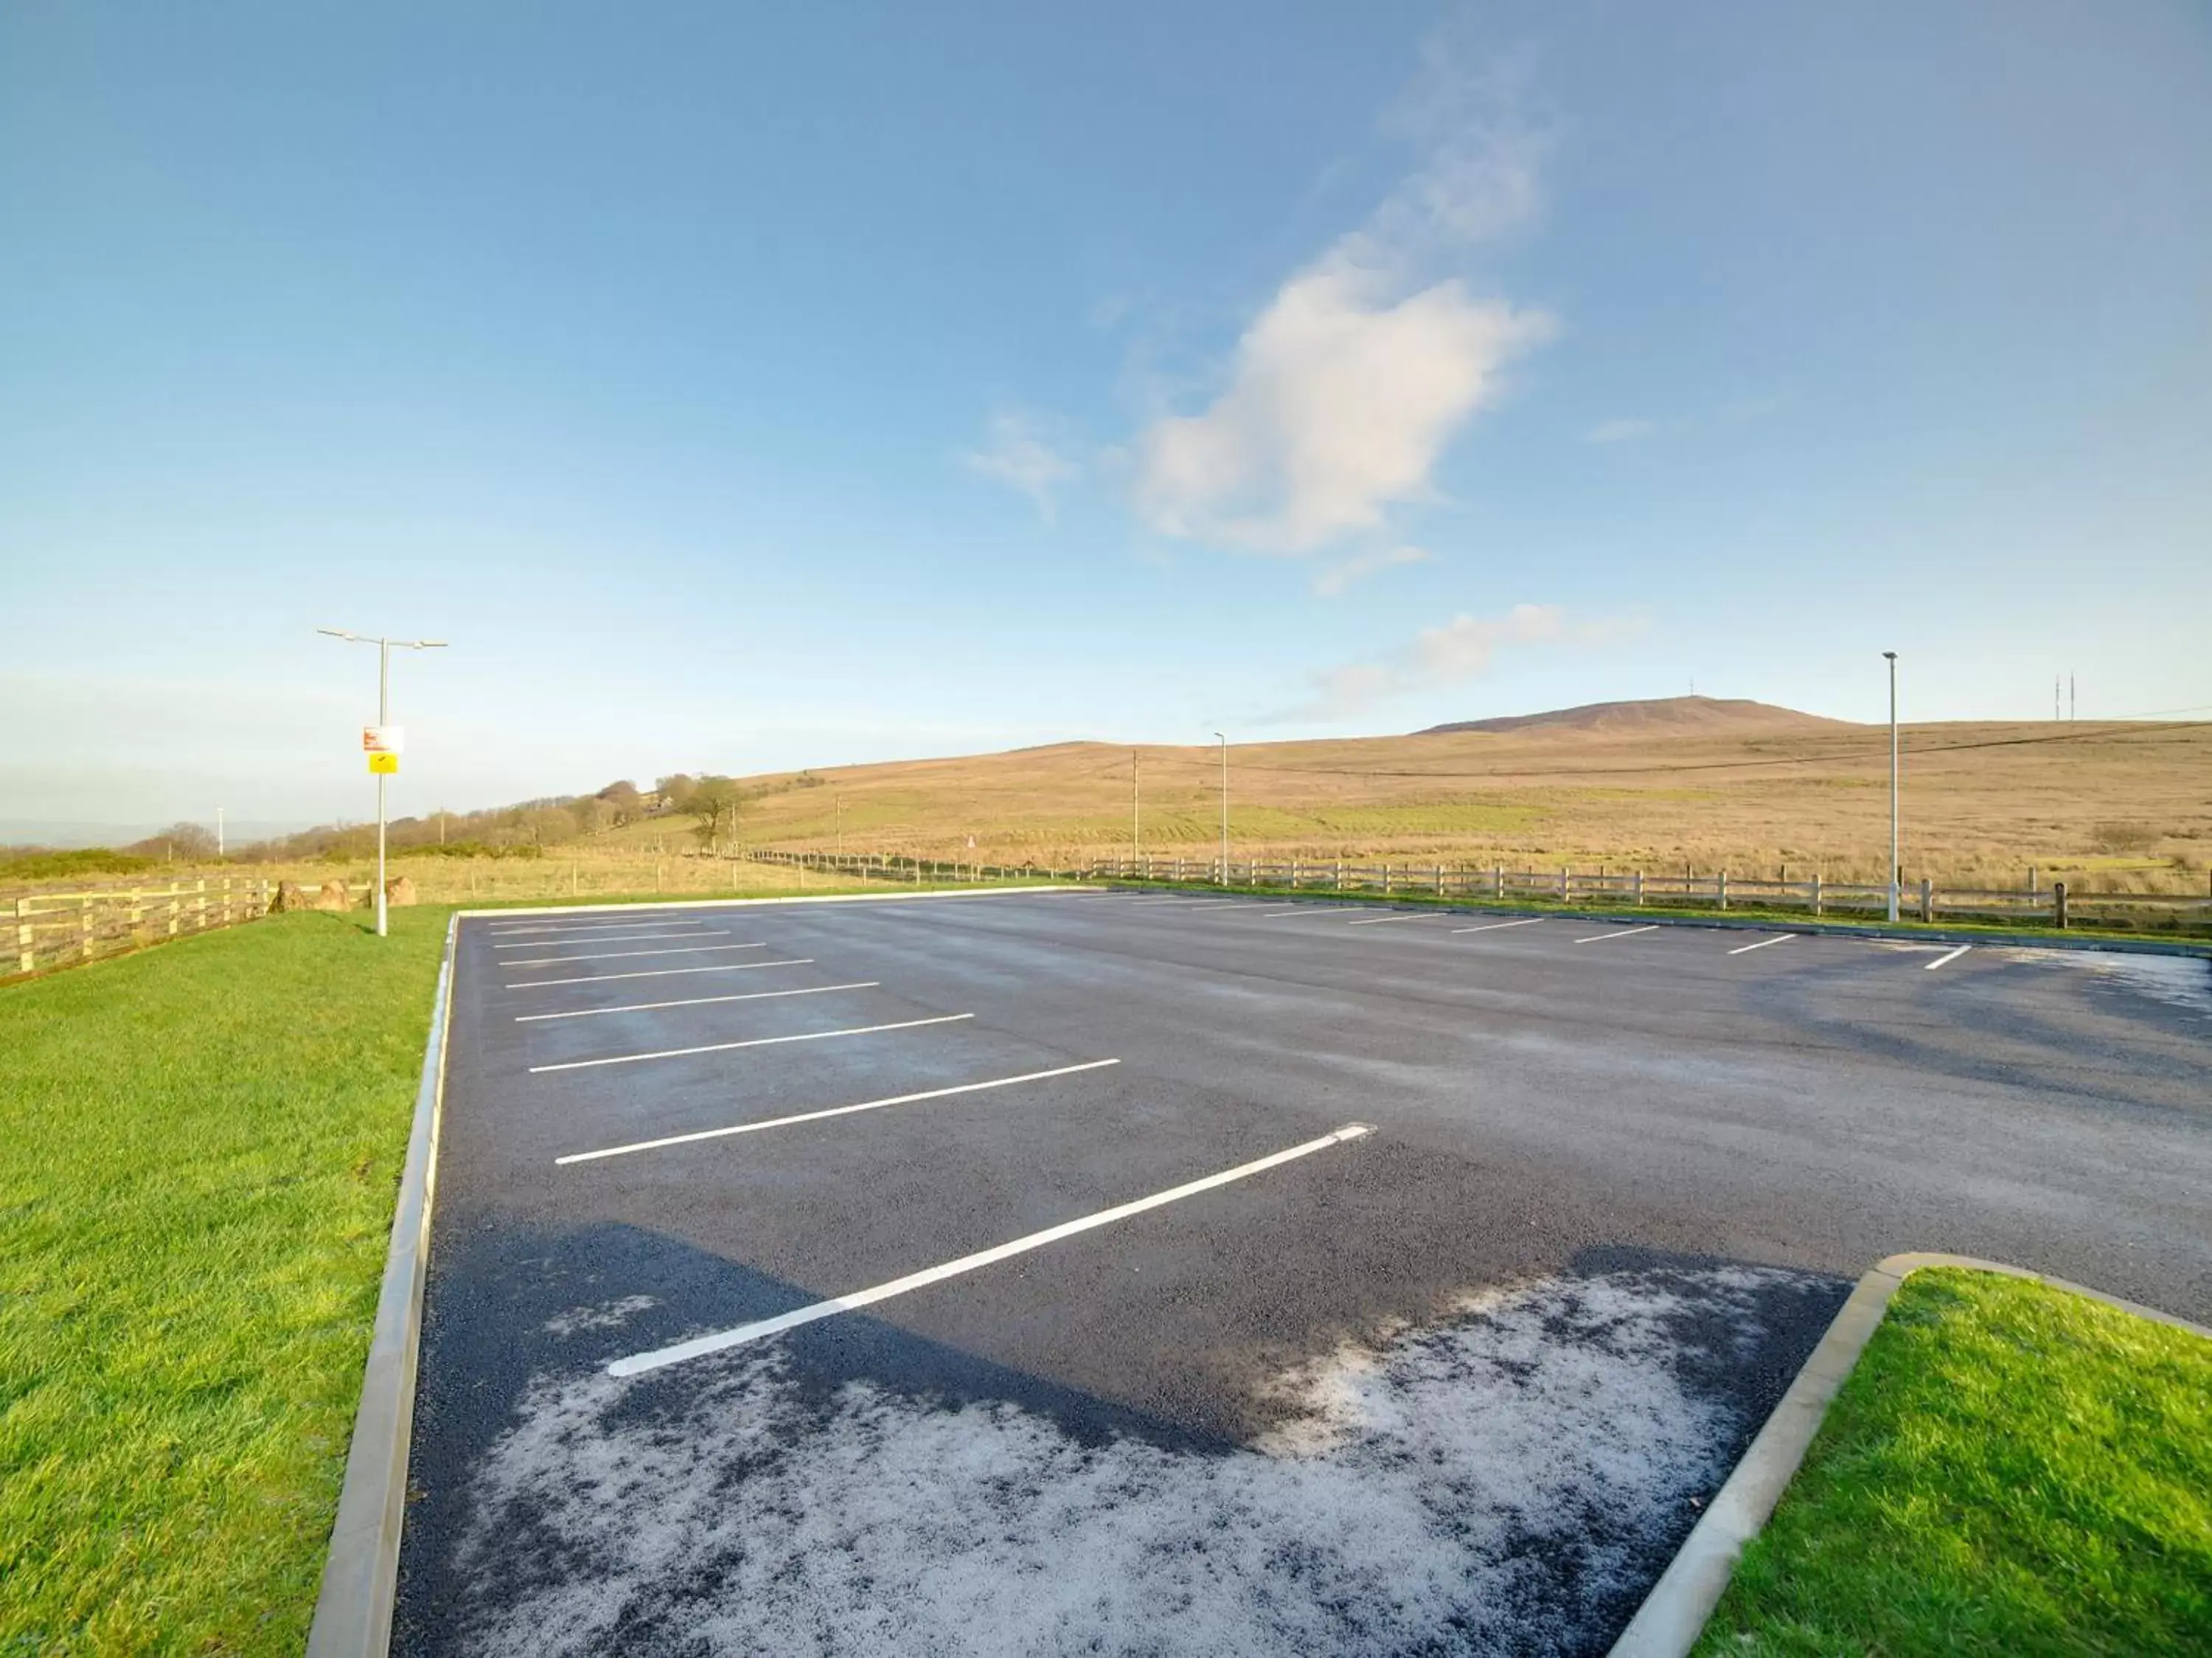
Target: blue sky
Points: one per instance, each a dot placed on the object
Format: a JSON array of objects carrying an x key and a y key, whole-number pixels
[{"x": 748, "y": 387}]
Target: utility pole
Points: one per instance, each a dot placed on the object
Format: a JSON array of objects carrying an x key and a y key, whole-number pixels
[
  {"x": 218, "y": 832},
  {"x": 1225, "y": 807},
  {"x": 2073, "y": 708},
  {"x": 1135, "y": 825},
  {"x": 383, "y": 717},
  {"x": 2054, "y": 696},
  {"x": 838, "y": 795},
  {"x": 1892, "y": 656}
]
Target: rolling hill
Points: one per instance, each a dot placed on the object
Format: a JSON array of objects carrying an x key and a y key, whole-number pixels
[{"x": 1660, "y": 717}]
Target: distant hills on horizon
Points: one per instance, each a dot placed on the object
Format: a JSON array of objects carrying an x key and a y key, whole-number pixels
[{"x": 1657, "y": 716}]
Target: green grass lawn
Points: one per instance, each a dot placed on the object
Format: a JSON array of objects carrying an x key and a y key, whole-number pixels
[
  {"x": 2010, "y": 1469},
  {"x": 201, "y": 1147}
]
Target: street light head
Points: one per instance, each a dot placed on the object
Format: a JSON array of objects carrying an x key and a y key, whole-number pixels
[
  {"x": 427, "y": 644},
  {"x": 1890, "y": 654},
  {"x": 337, "y": 633}
]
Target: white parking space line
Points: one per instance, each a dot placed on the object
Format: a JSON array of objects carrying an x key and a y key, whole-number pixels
[
  {"x": 755, "y": 1042},
  {"x": 1310, "y": 910},
  {"x": 833, "y": 1111},
  {"x": 1779, "y": 938},
  {"x": 1951, "y": 956},
  {"x": 1625, "y": 932},
  {"x": 603, "y": 938},
  {"x": 1380, "y": 920},
  {"x": 653, "y": 972},
  {"x": 1492, "y": 926},
  {"x": 699, "y": 1346},
  {"x": 698, "y": 1001},
  {"x": 615, "y": 955},
  {"x": 506, "y": 930},
  {"x": 1201, "y": 903}
]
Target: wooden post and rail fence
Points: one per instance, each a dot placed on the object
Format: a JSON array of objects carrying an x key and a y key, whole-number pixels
[
  {"x": 61, "y": 930},
  {"x": 2052, "y": 904}
]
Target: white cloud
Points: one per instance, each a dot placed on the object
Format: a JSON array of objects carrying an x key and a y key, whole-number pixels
[
  {"x": 1619, "y": 430},
  {"x": 1460, "y": 649},
  {"x": 1335, "y": 579},
  {"x": 1019, "y": 456},
  {"x": 1343, "y": 392}
]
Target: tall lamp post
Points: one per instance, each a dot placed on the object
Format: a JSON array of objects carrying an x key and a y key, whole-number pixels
[
  {"x": 1225, "y": 807},
  {"x": 383, "y": 717},
  {"x": 1891, "y": 656}
]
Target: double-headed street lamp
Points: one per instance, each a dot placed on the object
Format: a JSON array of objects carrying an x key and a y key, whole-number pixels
[{"x": 383, "y": 717}]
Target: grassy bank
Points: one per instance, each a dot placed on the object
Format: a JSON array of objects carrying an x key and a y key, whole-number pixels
[
  {"x": 201, "y": 1145},
  {"x": 2010, "y": 1469}
]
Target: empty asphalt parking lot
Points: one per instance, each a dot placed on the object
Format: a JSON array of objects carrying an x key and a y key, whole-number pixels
[{"x": 1136, "y": 1273}]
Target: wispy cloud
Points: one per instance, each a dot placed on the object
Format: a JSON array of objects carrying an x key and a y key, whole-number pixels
[
  {"x": 1460, "y": 650},
  {"x": 1337, "y": 577},
  {"x": 1343, "y": 392},
  {"x": 1019, "y": 455},
  {"x": 1619, "y": 431}
]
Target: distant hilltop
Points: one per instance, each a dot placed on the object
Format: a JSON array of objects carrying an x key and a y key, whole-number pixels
[{"x": 1658, "y": 716}]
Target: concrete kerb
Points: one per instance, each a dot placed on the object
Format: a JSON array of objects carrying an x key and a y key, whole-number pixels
[
  {"x": 361, "y": 1575},
  {"x": 1807, "y": 928},
  {"x": 353, "y": 1611},
  {"x": 1674, "y": 1614}
]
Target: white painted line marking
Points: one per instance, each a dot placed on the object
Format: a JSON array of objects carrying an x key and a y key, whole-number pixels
[
  {"x": 1625, "y": 932},
  {"x": 612, "y": 955},
  {"x": 604, "y": 938},
  {"x": 1951, "y": 956},
  {"x": 1379, "y": 921},
  {"x": 699, "y": 1346},
  {"x": 834, "y": 1111},
  {"x": 1492, "y": 926},
  {"x": 1779, "y": 938},
  {"x": 755, "y": 1042},
  {"x": 697, "y": 1000},
  {"x": 1312, "y": 910},
  {"x": 510, "y": 930},
  {"x": 656, "y": 972}
]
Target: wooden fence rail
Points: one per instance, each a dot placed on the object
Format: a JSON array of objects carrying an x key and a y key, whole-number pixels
[
  {"x": 61, "y": 930},
  {"x": 1919, "y": 900}
]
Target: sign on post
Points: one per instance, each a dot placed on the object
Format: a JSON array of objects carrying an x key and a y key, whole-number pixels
[
  {"x": 385, "y": 764},
  {"x": 383, "y": 739}
]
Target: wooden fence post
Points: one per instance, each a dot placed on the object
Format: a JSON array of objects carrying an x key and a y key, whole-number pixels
[
  {"x": 2058, "y": 904},
  {"x": 1566, "y": 883},
  {"x": 25, "y": 939},
  {"x": 1636, "y": 885},
  {"x": 1339, "y": 874},
  {"x": 1720, "y": 887},
  {"x": 1440, "y": 881},
  {"x": 1386, "y": 881},
  {"x": 1816, "y": 892},
  {"x": 1927, "y": 898}
]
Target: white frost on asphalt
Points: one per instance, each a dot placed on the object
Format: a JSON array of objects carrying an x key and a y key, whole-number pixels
[
  {"x": 2182, "y": 981},
  {"x": 1492, "y": 1482},
  {"x": 607, "y": 1315}
]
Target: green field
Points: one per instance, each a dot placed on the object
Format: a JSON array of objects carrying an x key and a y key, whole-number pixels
[
  {"x": 2011, "y": 1469},
  {"x": 196, "y": 1188}
]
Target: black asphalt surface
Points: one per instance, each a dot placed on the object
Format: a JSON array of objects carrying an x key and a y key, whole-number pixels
[{"x": 1663, "y": 1143}]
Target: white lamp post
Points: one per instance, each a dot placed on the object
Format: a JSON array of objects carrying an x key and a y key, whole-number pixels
[
  {"x": 383, "y": 717},
  {"x": 1891, "y": 657},
  {"x": 1225, "y": 807}
]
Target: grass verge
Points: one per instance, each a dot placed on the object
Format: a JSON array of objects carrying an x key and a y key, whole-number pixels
[
  {"x": 196, "y": 1186},
  {"x": 2011, "y": 1468}
]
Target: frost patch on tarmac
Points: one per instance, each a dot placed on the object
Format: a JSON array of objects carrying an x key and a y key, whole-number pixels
[
  {"x": 2182, "y": 981},
  {"x": 1508, "y": 1480},
  {"x": 606, "y": 1316}
]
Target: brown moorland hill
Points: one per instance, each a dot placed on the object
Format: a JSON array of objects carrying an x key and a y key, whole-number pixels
[
  {"x": 2123, "y": 804},
  {"x": 1656, "y": 716}
]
